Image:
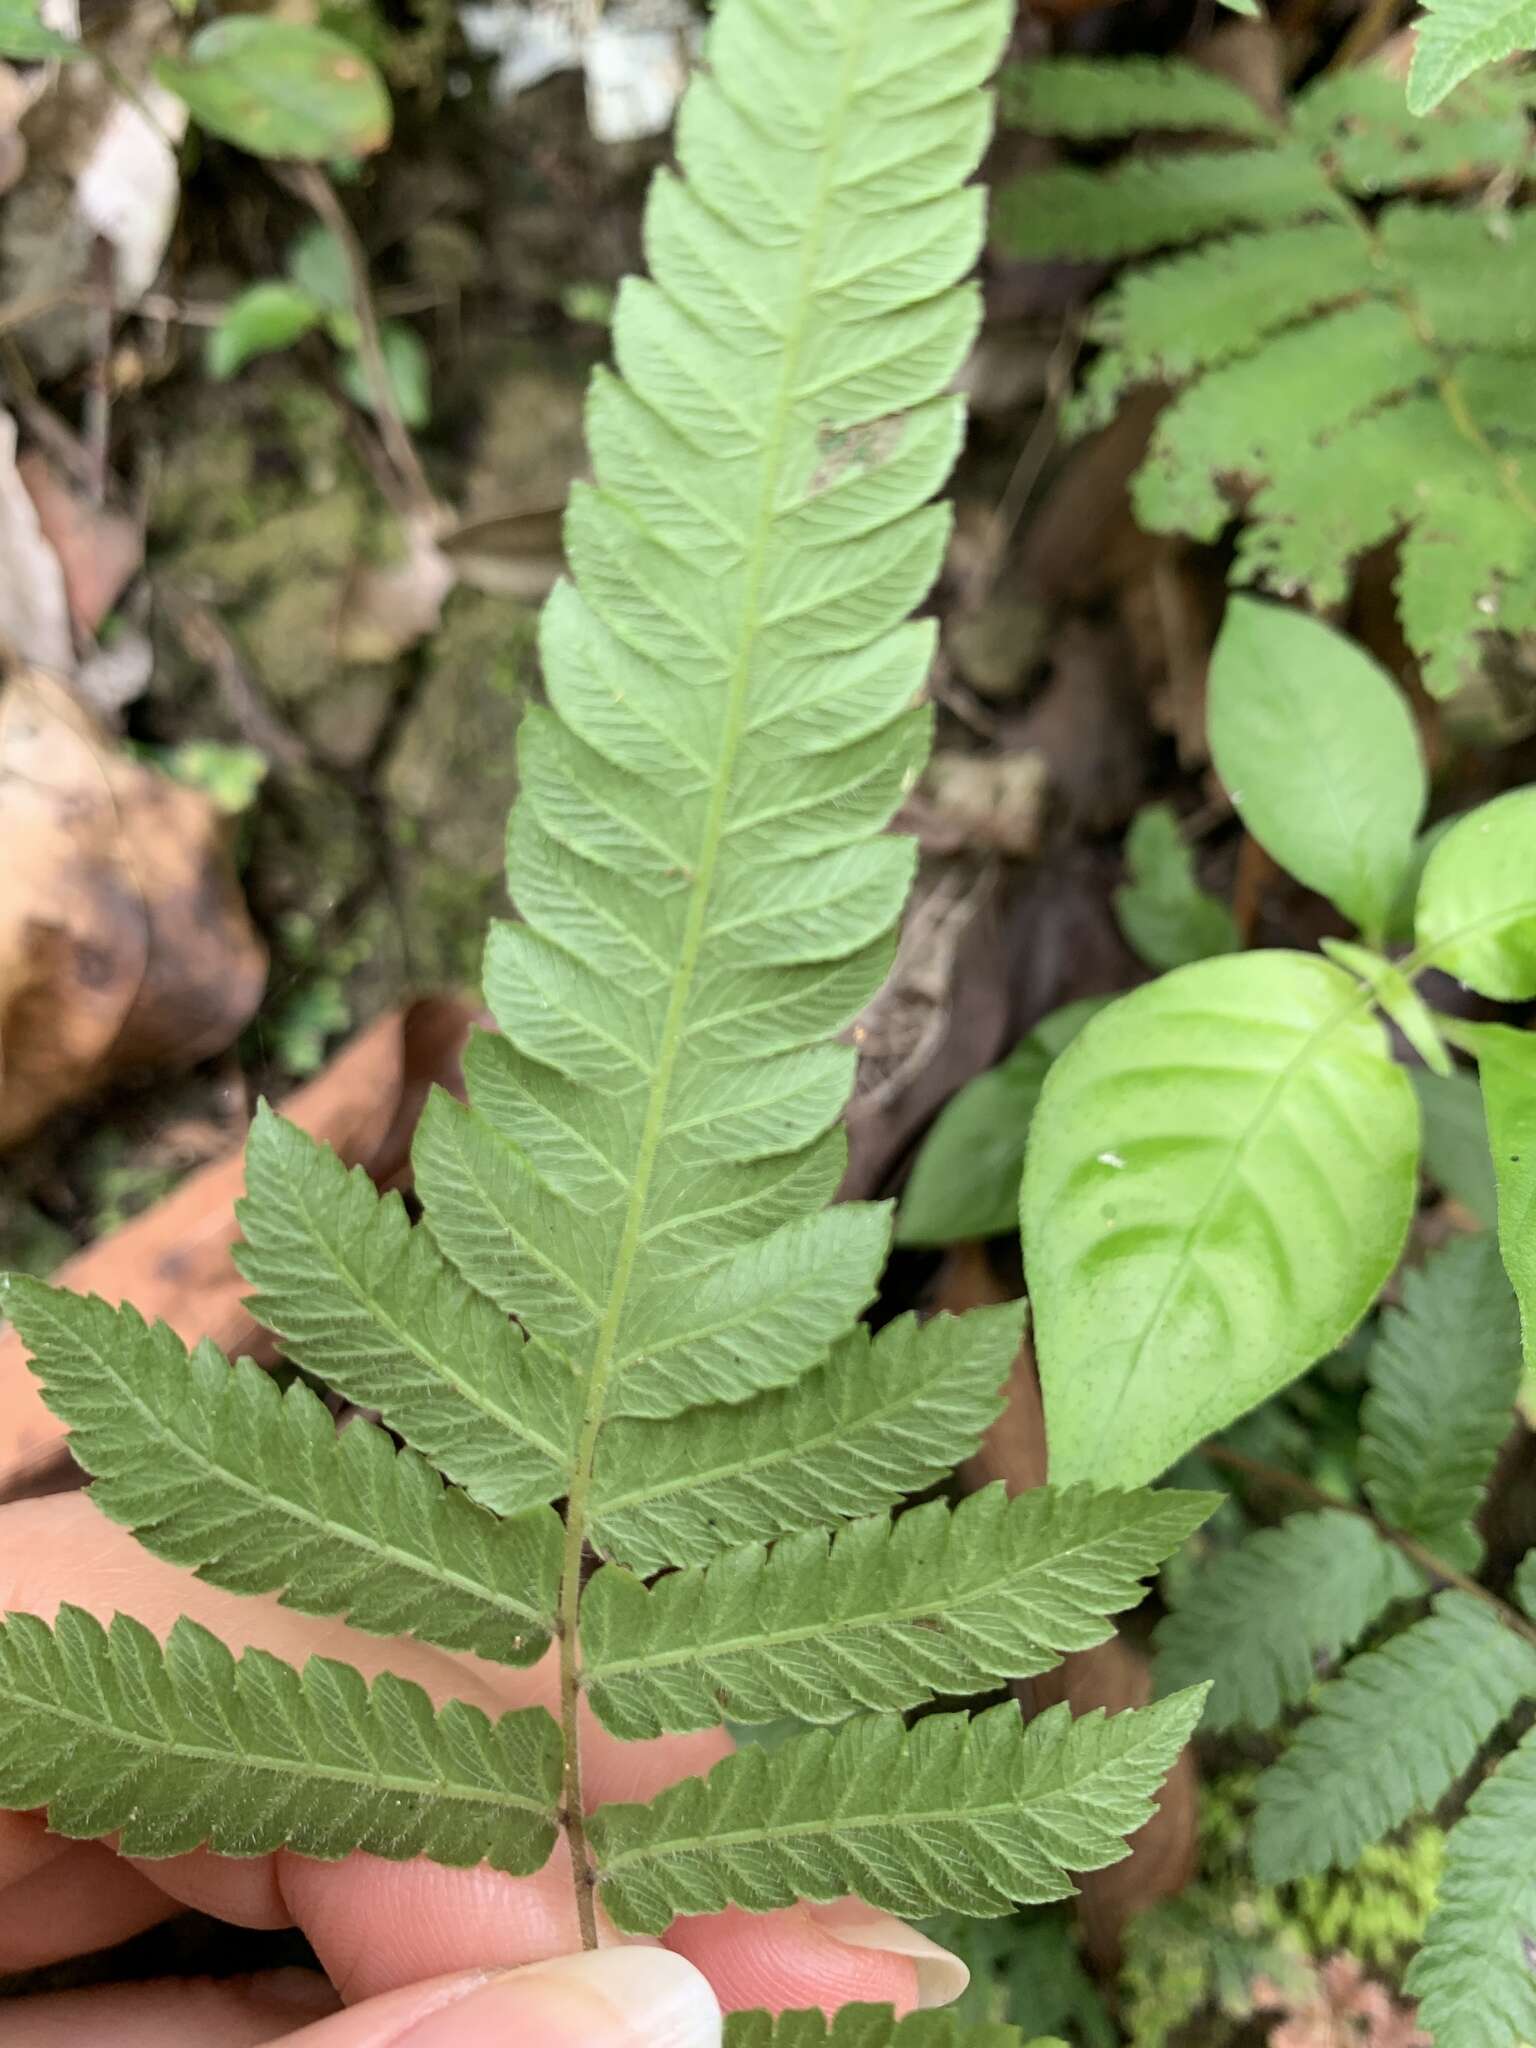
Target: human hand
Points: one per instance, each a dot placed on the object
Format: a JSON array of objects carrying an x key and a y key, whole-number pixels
[{"x": 415, "y": 1955}]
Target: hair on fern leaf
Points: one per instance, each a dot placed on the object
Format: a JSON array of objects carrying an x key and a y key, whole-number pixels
[
  {"x": 1420, "y": 310},
  {"x": 629, "y": 1294}
]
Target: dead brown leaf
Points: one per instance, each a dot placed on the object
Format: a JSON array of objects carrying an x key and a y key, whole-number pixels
[
  {"x": 174, "y": 1262},
  {"x": 99, "y": 551},
  {"x": 124, "y": 939},
  {"x": 34, "y": 609}
]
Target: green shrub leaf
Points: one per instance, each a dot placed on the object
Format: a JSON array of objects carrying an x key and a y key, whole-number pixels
[
  {"x": 24, "y": 38},
  {"x": 177, "y": 1749},
  {"x": 1163, "y": 911},
  {"x": 888, "y": 1615},
  {"x": 1256, "y": 1621},
  {"x": 281, "y": 88},
  {"x": 1320, "y": 754},
  {"x": 1454, "y": 38},
  {"x": 1476, "y": 914},
  {"x": 953, "y": 1813},
  {"x": 1220, "y": 1177},
  {"x": 1444, "y": 1371},
  {"x": 267, "y": 317},
  {"x": 1456, "y": 1154},
  {"x": 965, "y": 1179},
  {"x": 1506, "y": 1061},
  {"x": 1389, "y": 1738}
]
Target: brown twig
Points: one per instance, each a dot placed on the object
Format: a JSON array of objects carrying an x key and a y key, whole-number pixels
[
  {"x": 1434, "y": 1567},
  {"x": 315, "y": 188}
]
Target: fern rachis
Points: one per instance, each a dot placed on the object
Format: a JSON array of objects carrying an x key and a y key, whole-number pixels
[{"x": 628, "y": 1295}]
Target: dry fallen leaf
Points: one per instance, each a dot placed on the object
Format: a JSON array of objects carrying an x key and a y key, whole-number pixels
[
  {"x": 98, "y": 550},
  {"x": 34, "y": 608},
  {"x": 124, "y": 939},
  {"x": 174, "y": 1262}
]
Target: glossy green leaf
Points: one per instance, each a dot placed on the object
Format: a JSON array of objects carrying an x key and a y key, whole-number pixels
[
  {"x": 1220, "y": 1178},
  {"x": 25, "y": 39},
  {"x": 1476, "y": 915},
  {"x": 267, "y": 317},
  {"x": 1506, "y": 1061},
  {"x": 281, "y": 89},
  {"x": 317, "y": 263},
  {"x": 965, "y": 1179},
  {"x": 1168, "y": 918},
  {"x": 1320, "y": 754}
]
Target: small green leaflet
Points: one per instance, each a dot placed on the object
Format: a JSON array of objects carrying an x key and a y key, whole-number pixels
[
  {"x": 1454, "y": 38},
  {"x": 965, "y": 1179},
  {"x": 175, "y": 1749},
  {"x": 884, "y": 1417},
  {"x": 1220, "y": 1177},
  {"x": 1163, "y": 911},
  {"x": 1473, "y": 1977},
  {"x": 1444, "y": 1371},
  {"x": 870, "y": 2026},
  {"x": 953, "y": 1813},
  {"x": 1476, "y": 915},
  {"x": 213, "y": 1468},
  {"x": 267, "y": 317},
  {"x": 1320, "y": 754},
  {"x": 1506, "y": 1061},
  {"x": 1389, "y": 1738},
  {"x": 940, "y": 1602},
  {"x": 1257, "y": 1619},
  {"x": 281, "y": 89}
]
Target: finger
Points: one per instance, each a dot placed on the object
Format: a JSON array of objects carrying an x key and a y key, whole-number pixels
[
  {"x": 831, "y": 1956},
  {"x": 82, "y": 1899},
  {"x": 622, "y": 1998}
]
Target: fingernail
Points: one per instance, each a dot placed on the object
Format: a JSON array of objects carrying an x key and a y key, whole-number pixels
[
  {"x": 941, "y": 1977},
  {"x": 611, "y": 1998}
]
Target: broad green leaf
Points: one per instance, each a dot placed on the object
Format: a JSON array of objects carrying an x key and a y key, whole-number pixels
[
  {"x": 212, "y": 1467},
  {"x": 952, "y": 1813},
  {"x": 1220, "y": 1177},
  {"x": 1444, "y": 1371},
  {"x": 1397, "y": 999},
  {"x": 890, "y": 1614},
  {"x": 281, "y": 88},
  {"x": 1473, "y": 1976},
  {"x": 317, "y": 264},
  {"x": 267, "y": 317},
  {"x": 368, "y": 1305},
  {"x": 1167, "y": 917},
  {"x": 1256, "y": 1621},
  {"x": 882, "y": 1418},
  {"x": 1389, "y": 1738},
  {"x": 1506, "y": 1061},
  {"x": 24, "y": 39},
  {"x": 1456, "y": 1154},
  {"x": 410, "y": 374},
  {"x": 1476, "y": 915},
  {"x": 1320, "y": 754},
  {"x": 965, "y": 1179},
  {"x": 870, "y": 2026},
  {"x": 1454, "y": 38},
  {"x": 189, "y": 1747}
]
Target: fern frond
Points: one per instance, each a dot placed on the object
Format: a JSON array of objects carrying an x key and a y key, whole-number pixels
[
  {"x": 1090, "y": 102},
  {"x": 884, "y": 1417},
  {"x": 868, "y": 2026},
  {"x": 1473, "y": 1976},
  {"x": 957, "y": 1814},
  {"x": 179, "y": 1748},
  {"x": 210, "y": 1466},
  {"x": 1444, "y": 1371},
  {"x": 1256, "y": 1620},
  {"x": 888, "y": 1615},
  {"x": 1457, "y": 37},
  {"x": 369, "y": 1305},
  {"x": 1389, "y": 1738},
  {"x": 1422, "y": 313}
]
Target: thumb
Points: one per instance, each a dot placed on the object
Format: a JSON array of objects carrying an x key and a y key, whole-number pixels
[{"x": 611, "y": 1998}]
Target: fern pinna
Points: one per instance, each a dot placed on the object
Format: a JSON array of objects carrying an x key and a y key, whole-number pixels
[
  {"x": 628, "y": 1295},
  {"x": 1421, "y": 308},
  {"x": 1403, "y": 1721}
]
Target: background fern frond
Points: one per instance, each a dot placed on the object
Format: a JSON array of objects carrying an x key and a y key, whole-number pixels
[
  {"x": 1092, "y": 102},
  {"x": 869, "y": 2026},
  {"x": 884, "y": 1417},
  {"x": 957, "y": 1814},
  {"x": 890, "y": 1614},
  {"x": 1256, "y": 1620},
  {"x": 1389, "y": 1738},
  {"x": 210, "y": 1466},
  {"x": 1473, "y": 1977},
  {"x": 1444, "y": 1370},
  {"x": 177, "y": 1748},
  {"x": 1423, "y": 428}
]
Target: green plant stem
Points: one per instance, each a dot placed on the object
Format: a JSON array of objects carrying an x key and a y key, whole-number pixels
[{"x": 1417, "y": 1553}]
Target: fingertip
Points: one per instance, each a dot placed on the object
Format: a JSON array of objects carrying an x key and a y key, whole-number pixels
[{"x": 800, "y": 1958}]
